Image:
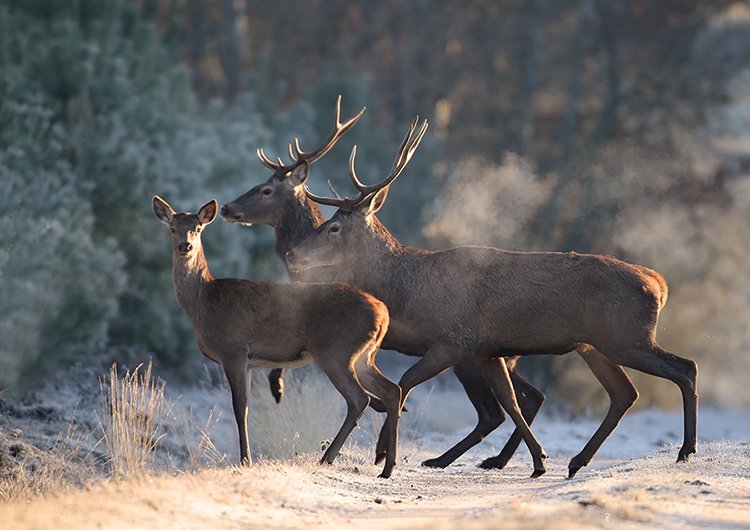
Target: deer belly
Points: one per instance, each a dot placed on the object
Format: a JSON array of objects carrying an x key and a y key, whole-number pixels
[{"x": 260, "y": 360}]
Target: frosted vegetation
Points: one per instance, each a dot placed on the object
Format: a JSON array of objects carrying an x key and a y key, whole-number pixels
[
  {"x": 98, "y": 113},
  {"x": 94, "y": 121}
]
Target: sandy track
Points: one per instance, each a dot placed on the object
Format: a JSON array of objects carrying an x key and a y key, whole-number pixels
[{"x": 712, "y": 491}]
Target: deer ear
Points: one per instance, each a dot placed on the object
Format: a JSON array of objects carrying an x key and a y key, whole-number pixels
[
  {"x": 162, "y": 210},
  {"x": 299, "y": 174},
  {"x": 208, "y": 211},
  {"x": 375, "y": 202}
]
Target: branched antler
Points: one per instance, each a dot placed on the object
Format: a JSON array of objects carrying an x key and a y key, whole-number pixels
[
  {"x": 405, "y": 152},
  {"x": 298, "y": 156}
]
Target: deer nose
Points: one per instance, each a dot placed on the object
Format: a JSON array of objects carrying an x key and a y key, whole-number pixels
[
  {"x": 293, "y": 259},
  {"x": 185, "y": 247}
]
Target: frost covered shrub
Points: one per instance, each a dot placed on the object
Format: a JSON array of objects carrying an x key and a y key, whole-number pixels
[
  {"x": 57, "y": 284},
  {"x": 94, "y": 120}
]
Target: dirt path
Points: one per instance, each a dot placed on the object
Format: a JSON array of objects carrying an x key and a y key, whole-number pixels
[{"x": 712, "y": 491}]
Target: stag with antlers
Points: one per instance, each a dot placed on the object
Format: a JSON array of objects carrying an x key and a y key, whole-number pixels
[
  {"x": 281, "y": 202},
  {"x": 481, "y": 303}
]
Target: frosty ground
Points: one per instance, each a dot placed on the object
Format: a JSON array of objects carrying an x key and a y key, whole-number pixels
[{"x": 633, "y": 482}]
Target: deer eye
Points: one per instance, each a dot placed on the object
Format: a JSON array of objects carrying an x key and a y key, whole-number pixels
[
  {"x": 334, "y": 229},
  {"x": 171, "y": 229},
  {"x": 266, "y": 192}
]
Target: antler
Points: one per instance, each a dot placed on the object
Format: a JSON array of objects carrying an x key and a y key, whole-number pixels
[
  {"x": 405, "y": 152},
  {"x": 297, "y": 155}
]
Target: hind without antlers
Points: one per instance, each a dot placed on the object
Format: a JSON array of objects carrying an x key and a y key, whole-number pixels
[
  {"x": 482, "y": 303},
  {"x": 244, "y": 324}
]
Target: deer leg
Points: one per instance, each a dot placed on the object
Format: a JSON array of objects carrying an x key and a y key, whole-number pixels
[
  {"x": 438, "y": 358},
  {"x": 497, "y": 375},
  {"x": 380, "y": 448},
  {"x": 683, "y": 372},
  {"x": 622, "y": 395},
  {"x": 373, "y": 380},
  {"x": 236, "y": 374},
  {"x": 343, "y": 378},
  {"x": 489, "y": 413},
  {"x": 276, "y": 381},
  {"x": 530, "y": 400}
]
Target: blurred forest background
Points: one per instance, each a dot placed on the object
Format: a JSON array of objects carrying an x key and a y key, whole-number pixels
[{"x": 609, "y": 126}]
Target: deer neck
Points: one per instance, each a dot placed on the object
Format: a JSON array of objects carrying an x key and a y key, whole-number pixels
[
  {"x": 382, "y": 264},
  {"x": 189, "y": 276},
  {"x": 298, "y": 221}
]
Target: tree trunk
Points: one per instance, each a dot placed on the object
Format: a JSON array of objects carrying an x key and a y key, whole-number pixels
[
  {"x": 230, "y": 50},
  {"x": 531, "y": 77},
  {"x": 570, "y": 121}
]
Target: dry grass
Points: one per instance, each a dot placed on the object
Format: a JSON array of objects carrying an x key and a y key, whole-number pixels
[
  {"x": 27, "y": 472},
  {"x": 193, "y": 441},
  {"x": 310, "y": 414},
  {"x": 133, "y": 411}
]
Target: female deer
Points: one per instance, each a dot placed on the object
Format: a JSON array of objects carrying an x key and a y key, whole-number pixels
[{"x": 243, "y": 324}]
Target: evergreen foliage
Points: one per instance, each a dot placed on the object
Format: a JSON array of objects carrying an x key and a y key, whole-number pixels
[{"x": 94, "y": 120}]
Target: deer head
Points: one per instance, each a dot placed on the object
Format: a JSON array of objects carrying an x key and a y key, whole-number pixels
[
  {"x": 185, "y": 227},
  {"x": 353, "y": 228},
  {"x": 267, "y": 202}
]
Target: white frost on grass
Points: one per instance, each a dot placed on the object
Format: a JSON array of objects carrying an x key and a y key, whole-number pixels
[
  {"x": 712, "y": 491},
  {"x": 634, "y": 481},
  {"x": 439, "y": 415}
]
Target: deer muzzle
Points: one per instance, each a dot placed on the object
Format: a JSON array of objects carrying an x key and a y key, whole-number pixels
[
  {"x": 230, "y": 215},
  {"x": 296, "y": 262}
]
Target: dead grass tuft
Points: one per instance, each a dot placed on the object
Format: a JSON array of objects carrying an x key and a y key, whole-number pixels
[
  {"x": 27, "y": 472},
  {"x": 133, "y": 410}
]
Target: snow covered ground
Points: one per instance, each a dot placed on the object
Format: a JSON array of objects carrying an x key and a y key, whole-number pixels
[
  {"x": 633, "y": 482},
  {"x": 712, "y": 491}
]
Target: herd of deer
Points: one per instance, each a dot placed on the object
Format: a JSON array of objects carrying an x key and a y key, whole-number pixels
[{"x": 356, "y": 289}]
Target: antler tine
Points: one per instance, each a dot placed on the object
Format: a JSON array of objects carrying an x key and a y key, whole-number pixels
[
  {"x": 265, "y": 160},
  {"x": 407, "y": 138},
  {"x": 291, "y": 153},
  {"x": 353, "y": 173},
  {"x": 337, "y": 202},
  {"x": 338, "y": 130},
  {"x": 405, "y": 152},
  {"x": 333, "y": 190},
  {"x": 337, "y": 122},
  {"x": 416, "y": 140}
]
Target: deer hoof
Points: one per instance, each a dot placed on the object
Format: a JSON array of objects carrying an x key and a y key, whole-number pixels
[
  {"x": 385, "y": 474},
  {"x": 435, "y": 462},
  {"x": 572, "y": 471},
  {"x": 538, "y": 473},
  {"x": 684, "y": 455},
  {"x": 494, "y": 462}
]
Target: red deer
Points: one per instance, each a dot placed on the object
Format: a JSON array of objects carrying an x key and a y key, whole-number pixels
[
  {"x": 281, "y": 202},
  {"x": 480, "y": 302},
  {"x": 244, "y": 324}
]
